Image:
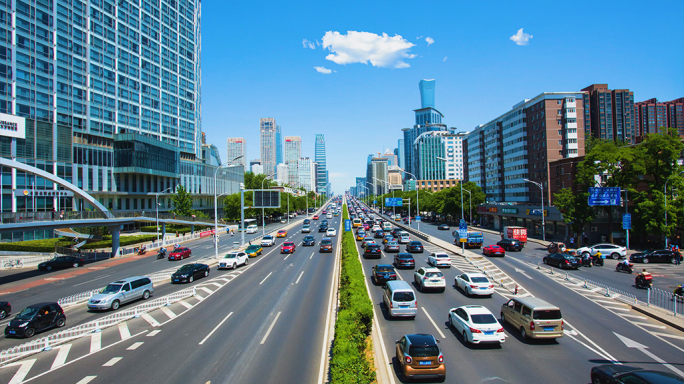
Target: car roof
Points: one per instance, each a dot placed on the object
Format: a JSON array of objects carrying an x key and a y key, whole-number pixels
[
  {"x": 431, "y": 269},
  {"x": 535, "y": 302},
  {"x": 41, "y": 304},
  {"x": 441, "y": 254},
  {"x": 476, "y": 310},
  {"x": 474, "y": 274},
  {"x": 422, "y": 339},
  {"x": 127, "y": 279}
]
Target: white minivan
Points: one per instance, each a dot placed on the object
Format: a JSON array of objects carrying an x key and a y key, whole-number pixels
[
  {"x": 404, "y": 238},
  {"x": 252, "y": 228},
  {"x": 399, "y": 299}
]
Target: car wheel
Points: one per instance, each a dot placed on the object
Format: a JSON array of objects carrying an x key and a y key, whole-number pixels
[
  {"x": 115, "y": 305},
  {"x": 523, "y": 334},
  {"x": 673, "y": 261},
  {"x": 206, "y": 273},
  {"x": 234, "y": 266},
  {"x": 615, "y": 255},
  {"x": 545, "y": 261},
  {"x": 465, "y": 337},
  {"x": 645, "y": 261},
  {"x": 75, "y": 265},
  {"x": 146, "y": 295},
  {"x": 3, "y": 314},
  {"x": 48, "y": 268},
  {"x": 246, "y": 261},
  {"x": 29, "y": 332},
  {"x": 191, "y": 279},
  {"x": 60, "y": 322},
  {"x": 596, "y": 380}
]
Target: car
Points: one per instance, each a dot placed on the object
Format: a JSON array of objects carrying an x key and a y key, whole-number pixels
[
  {"x": 561, "y": 260},
  {"x": 267, "y": 241},
  {"x": 660, "y": 256},
  {"x": 61, "y": 262},
  {"x": 387, "y": 239},
  {"x": 473, "y": 283},
  {"x": 510, "y": 245},
  {"x": 608, "y": 250},
  {"x": 430, "y": 278},
  {"x": 189, "y": 272},
  {"x": 329, "y": 216},
  {"x": 288, "y": 247},
  {"x": 360, "y": 235},
  {"x": 315, "y": 217},
  {"x": 324, "y": 222},
  {"x": 493, "y": 250},
  {"x": 323, "y": 228},
  {"x": 396, "y": 232},
  {"x": 365, "y": 226},
  {"x": 306, "y": 229},
  {"x": 367, "y": 240},
  {"x": 404, "y": 238},
  {"x": 308, "y": 241},
  {"x": 283, "y": 221},
  {"x": 180, "y": 253},
  {"x": 378, "y": 234},
  {"x": 324, "y": 211},
  {"x": 36, "y": 318},
  {"x": 419, "y": 356},
  {"x": 476, "y": 324},
  {"x": 376, "y": 228},
  {"x": 254, "y": 250},
  {"x": 331, "y": 232},
  {"x": 404, "y": 260},
  {"x": 397, "y": 218},
  {"x": 306, "y": 222},
  {"x": 5, "y": 309},
  {"x": 414, "y": 247},
  {"x": 282, "y": 233},
  {"x": 617, "y": 374},
  {"x": 382, "y": 273},
  {"x": 233, "y": 260},
  {"x": 443, "y": 227},
  {"x": 372, "y": 251},
  {"x": 439, "y": 259},
  {"x": 326, "y": 245},
  {"x": 392, "y": 246},
  {"x": 120, "y": 292}
]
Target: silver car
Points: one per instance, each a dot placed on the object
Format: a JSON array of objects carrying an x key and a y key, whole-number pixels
[{"x": 121, "y": 292}]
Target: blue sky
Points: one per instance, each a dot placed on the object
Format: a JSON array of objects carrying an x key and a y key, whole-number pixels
[{"x": 255, "y": 64}]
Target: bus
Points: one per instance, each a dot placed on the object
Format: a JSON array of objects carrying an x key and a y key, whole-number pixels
[{"x": 356, "y": 223}]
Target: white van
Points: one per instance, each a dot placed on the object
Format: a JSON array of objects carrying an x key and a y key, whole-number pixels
[
  {"x": 399, "y": 299},
  {"x": 404, "y": 238},
  {"x": 386, "y": 226},
  {"x": 252, "y": 228}
]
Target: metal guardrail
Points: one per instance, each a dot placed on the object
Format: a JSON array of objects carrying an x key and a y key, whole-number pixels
[{"x": 666, "y": 300}]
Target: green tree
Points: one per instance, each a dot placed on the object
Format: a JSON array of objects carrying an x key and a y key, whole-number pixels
[
  {"x": 182, "y": 202},
  {"x": 575, "y": 209},
  {"x": 231, "y": 207}
]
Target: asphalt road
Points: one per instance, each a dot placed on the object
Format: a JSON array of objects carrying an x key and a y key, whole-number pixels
[{"x": 591, "y": 325}]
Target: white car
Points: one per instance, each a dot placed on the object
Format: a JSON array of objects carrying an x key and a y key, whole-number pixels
[
  {"x": 476, "y": 324},
  {"x": 474, "y": 284},
  {"x": 329, "y": 216},
  {"x": 430, "y": 278},
  {"x": 404, "y": 238},
  {"x": 331, "y": 232},
  {"x": 267, "y": 241},
  {"x": 607, "y": 250},
  {"x": 252, "y": 229},
  {"x": 306, "y": 228},
  {"x": 439, "y": 259},
  {"x": 233, "y": 259}
]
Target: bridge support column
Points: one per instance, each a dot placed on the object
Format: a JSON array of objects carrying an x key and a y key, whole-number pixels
[
  {"x": 192, "y": 229},
  {"x": 115, "y": 231},
  {"x": 164, "y": 233}
]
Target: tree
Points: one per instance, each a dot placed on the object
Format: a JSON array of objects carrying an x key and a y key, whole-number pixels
[
  {"x": 575, "y": 209},
  {"x": 231, "y": 206},
  {"x": 182, "y": 202}
]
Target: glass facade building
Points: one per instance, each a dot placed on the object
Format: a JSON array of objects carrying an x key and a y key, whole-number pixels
[
  {"x": 322, "y": 174},
  {"x": 267, "y": 130}
]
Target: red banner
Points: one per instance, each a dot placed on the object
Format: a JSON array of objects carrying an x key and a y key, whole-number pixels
[{"x": 206, "y": 233}]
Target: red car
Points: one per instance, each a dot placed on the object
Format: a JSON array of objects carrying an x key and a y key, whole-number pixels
[
  {"x": 366, "y": 226},
  {"x": 288, "y": 247},
  {"x": 324, "y": 211},
  {"x": 180, "y": 253},
  {"x": 493, "y": 250},
  {"x": 315, "y": 217}
]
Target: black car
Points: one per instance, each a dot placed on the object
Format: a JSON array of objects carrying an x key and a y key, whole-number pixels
[
  {"x": 404, "y": 260},
  {"x": 189, "y": 272},
  {"x": 5, "y": 309},
  {"x": 396, "y": 232},
  {"x": 308, "y": 241},
  {"x": 443, "y": 227},
  {"x": 307, "y": 221},
  {"x": 372, "y": 251},
  {"x": 616, "y": 374},
  {"x": 324, "y": 222},
  {"x": 383, "y": 273},
  {"x": 322, "y": 228},
  {"x": 562, "y": 261},
  {"x": 326, "y": 245},
  {"x": 660, "y": 256},
  {"x": 510, "y": 245},
  {"x": 414, "y": 247},
  {"x": 379, "y": 234},
  {"x": 60, "y": 263},
  {"x": 36, "y": 318}
]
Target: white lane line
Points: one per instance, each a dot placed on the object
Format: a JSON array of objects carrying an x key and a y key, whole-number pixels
[
  {"x": 25, "y": 367},
  {"x": 668, "y": 335},
  {"x": 149, "y": 319},
  {"x": 300, "y": 276},
  {"x": 86, "y": 380},
  {"x": 134, "y": 346},
  {"x": 90, "y": 281},
  {"x": 215, "y": 328},
  {"x": 95, "y": 342},
  {"x": 153, "y": 333},
  {"x": 123, "y": 331},
  {"x": 185, "y": 304},
  {"x": 61, "y": 356},
  {"x": 286, "y": 257},
  {"x": 168, "y": 312},
  {"x": 615, "y": 308},
  {"x": 310, "y": 257},
  {"x": 216, "y": 284},
  {"x": 650, "y": 325},
  {"x": 262, "y": 281},
  {"x": 433, "y": 323},
  {"x": 207, "y": 290},
  {"x": 112, "y": 361},
  {"x": 632, "y": 316},
  {"x": 270, "y": 328},
  {"x": 199, "y": 297}
]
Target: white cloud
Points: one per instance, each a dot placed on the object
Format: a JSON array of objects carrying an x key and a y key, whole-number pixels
[
  {"x": 430, "y": 40},
  {"x": 307, "y": 44},
  {"x": 323, "y": 70},
  {"x": 419, "y": 37},
  {"x": 445, "y": 59},
  {"x": 362, "y": 47},
  {"x": 318, "y": 43},
  {"x": 521, "y": 38}
]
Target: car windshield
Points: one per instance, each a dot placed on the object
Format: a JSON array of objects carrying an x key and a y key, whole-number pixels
[
  {"x": 230, "y": 256},
  {"x": 186, "y": 268},
  {"x": 442, "y": 256},
  {"x": 479, "y": 280},
  {"x": 268, "y": 237},
  {"x": 416, "y": 351},
  {"x": 548, "y": 314},
  {"x": 252, "y": 247},
  {"x": 393, "y": 243},
  {"x": 112, "y": 288},
  {"x": 403, "y": 296},
  {"x": 384, "y": 269},
  {"x": 27, "y": 313},
  {"x": 433, "y": 274},
  {"x": 326, "y": 242},
  {"x": 308, "y": 238},
  {"x": 288, "y": 244},
  {"x": 406, "y": 257},
  {"x": 483, "y": 319}
]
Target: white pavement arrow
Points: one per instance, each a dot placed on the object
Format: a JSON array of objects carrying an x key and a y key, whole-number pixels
[
  {"x": 633, "y": 344},
  {"x": 523, "y": 273}
]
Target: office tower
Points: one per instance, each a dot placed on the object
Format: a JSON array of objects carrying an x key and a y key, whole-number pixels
[
  {"x": 322, "y": 183},
  {"x": 268, "y": 145},
  {"x": 453, "y": 144},
  {"x": 360, "y": 184},
  {"x": 279, "y": 145},
  {"x": 315, "y": 177},
  {"x": 257, "y": 169},
  {"x": 521, "y": 142},
  {"x": 428, "y": 147},
  {"x": 379, "y": 173},
  {"x": 651, "y": 116},
  {"x": 427, "y": 93},
  {"x": 401, "y": 154},
  {"x": 394, "y": 178},
  {"x": 391, "y": 157},
  {"x": 255, "y": 161},
  {"x": 608, "y": 114},
  {"x": 306, "y": 174},
  {"x": 282, "y": 176},
  {"x": 293, "y": 151},
  {"x": 237, "y": 146}
]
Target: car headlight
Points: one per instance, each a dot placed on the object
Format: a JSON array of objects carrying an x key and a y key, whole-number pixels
[{"x": 22, "y": 325}]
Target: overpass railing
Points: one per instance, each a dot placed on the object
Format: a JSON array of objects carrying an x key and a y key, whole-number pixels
[{"x": 30, "y": 217}]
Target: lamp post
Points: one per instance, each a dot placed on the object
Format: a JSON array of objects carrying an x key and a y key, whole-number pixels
[
  {"x": 417, "y": 200},
  {"x": 665, "y": 198},
  {"x": 383, "y": 201},
  {"x": 542, "y": 204},
  {"x": 263, "y": 215},
  {"x": 156, "y": 200},
  {"x": 470, "y": 200},
  {"x": 216, "y": 205}
]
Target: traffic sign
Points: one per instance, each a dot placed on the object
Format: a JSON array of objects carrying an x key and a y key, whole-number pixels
[
  {"x": 627, "y": 221},
  {"x": 375, "y": 201},
  {"x": 604, "y": 196},
  {"x": 347, "y": 225},
  {"x": 463, "y": 233},
  {"x": 393, "y": 202},
  {"x": 462, "y": 225},
  {"x": 417, "y": 218}
]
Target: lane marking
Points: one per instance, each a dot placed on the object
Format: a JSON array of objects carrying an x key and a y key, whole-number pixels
[
  {"x": 123, "y": 330},
  {"x": 25, "y": 367},
  {"x": 215, "y": 328},
  {"x": 112, "y": 361},
  {"x": 668, "y": 335},
  {"x": 95, "y": 342},
  {"x": 149, "y": 319},
  {"x": 207, "y": 290},
  {"x": 300, "y": 276},
  {"x": 632, "y": 316},
  {"x": 185, "y": 304},
  {"x": 61, "y": 356},
  {"x": 90, "y": 281},
  {"x": 168, "y": 312},
  {"x": 650, "y": 325},
  {"x": 270, "y": 328},
  {"x": 287, "y": 257},
  {"x": 135, "y": 346},
  {"x": 262, "y": 281},
  {"x": 310, "y": 257},
  {"x": 433, "y": 323},
  {"x": 86, "y": 380},
  {"x": 153, "y": 332}
]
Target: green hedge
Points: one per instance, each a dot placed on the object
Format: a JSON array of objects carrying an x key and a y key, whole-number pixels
[
  {"x": 123, "y": 241},
  {"x": 172, "y": 228},
  {"x": 48, "y": 245},
  {"x": 354, "y": 320}
]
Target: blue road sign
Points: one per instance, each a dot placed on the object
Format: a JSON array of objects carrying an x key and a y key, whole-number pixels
[
  {"x": 604, "y": 196},
  {"x": 627, "y": 221},
  {"x": 463, "y": 233},
  {"x": 394, "y": 202},
  {"x": 375, "y": 201},
  {"x": 347, "y": 225},
  {"x": 462, "y": 225},
  {"x": 417, "y": 218}
]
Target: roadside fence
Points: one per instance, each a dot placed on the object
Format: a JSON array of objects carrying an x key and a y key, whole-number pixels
[
  {"x": 23, "y": 262},
  {"x": 666, "y": 300}
]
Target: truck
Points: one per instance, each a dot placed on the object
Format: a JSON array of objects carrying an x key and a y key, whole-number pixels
[
  {"x": 515, "y": 233},
  {"x": 473, "y": 240}
]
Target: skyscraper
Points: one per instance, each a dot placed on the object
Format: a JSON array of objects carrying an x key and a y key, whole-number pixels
[
  {"x": 401, "y": 154},
  {"x": 282, "y": 174},
  {"x": 279, "y": 145},
  {"x": 293, "y": 151},
  {"x": 609, "y": 114},
  {"x": 268, "y": 145},
  {"x": 320, "y": 160},
  {"x": 237, "y": 146},
  {"x": 306, "y": 175}
]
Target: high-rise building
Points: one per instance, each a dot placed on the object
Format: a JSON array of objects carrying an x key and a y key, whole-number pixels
[
  {"x": 520, "y": 143},
  {"x": 401, "y": 154},
  {"x": 282, "y": 174},
  {"x": 293, "y": 152},
  {"x": 429, "y": 148},
  {"x": 322, "y": 183},
  {"x": 453, "y": 144},
  {"x": 651, "y": 116},
  {"x": 315, "y": 176},
  {"x": 360, "y": 184},
  {"x": 394, "y": 178},
  {"x": 268, "y": 145},
  {"x": 391, "y": 157},
  {"x": 237, "y": 146},
  {"x": 279, "y": 145},
  {"x": 379, "y": 176},
  {"x": 608, "y": 114},
  {"x": 257, "y": 169},
  {"x": 306, "y": 174},
  {"x": 255, "y": 161}
]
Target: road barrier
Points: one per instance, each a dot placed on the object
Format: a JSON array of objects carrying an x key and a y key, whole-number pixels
[
  {"x": 666, "y": 300},
  {"x": 22, "y": 262}
]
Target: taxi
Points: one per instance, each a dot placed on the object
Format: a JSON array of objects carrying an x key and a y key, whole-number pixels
[
  {"x": 282, "y": 233},
  {"x": 315, "y": 217},
  {"x": 360, "y": 235},
  {"x": 254, "y": 250}
]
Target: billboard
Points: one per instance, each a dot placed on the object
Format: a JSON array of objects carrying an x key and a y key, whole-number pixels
[
  {"x": 266, "y": 198},
  {"x": 12, "y": 126},
  {"x": 393, "y": 202}
]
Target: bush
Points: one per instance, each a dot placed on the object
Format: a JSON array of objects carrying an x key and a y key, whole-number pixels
[
  {"x": 45, "y": 245},
  {"x": 48, "y": 245},
  {"x": 172, "y": 228},
  {"x": 354, "y": 320},
  {"x": 123, "y": 241}
]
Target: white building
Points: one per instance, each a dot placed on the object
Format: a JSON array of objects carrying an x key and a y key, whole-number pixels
[
  {"x": 282, "y": 174},
  {"x": 267, "y": 129},
  {"x": 237, "y": 146},
  {"x": 307, "y": 177},
  {"x": 257, "y": 169},
  {"x": 453, "y": 145},
  {"x": 293, "y": 151}
]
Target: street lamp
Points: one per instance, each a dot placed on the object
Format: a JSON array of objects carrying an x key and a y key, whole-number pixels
[
  {"x": 156, "y": 200},
  {"x": 665, "y": 197},
  {"x": 417, "y": 200},
  {"x": 470, "y": 200},
  {"x": 263, "y": 215},
  {"x": 383, "y": 201},
  {"x": 216, "y": 205},
  {"x": 542, "y": 204}
]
